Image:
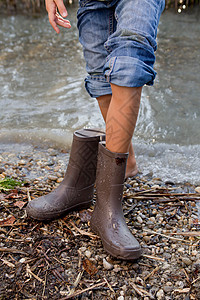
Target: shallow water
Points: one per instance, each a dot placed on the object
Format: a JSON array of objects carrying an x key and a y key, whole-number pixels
[{"x": 43, "y": 100}]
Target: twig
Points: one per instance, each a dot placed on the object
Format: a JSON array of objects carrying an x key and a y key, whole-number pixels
[
  {"x": 31, "y": 273},
  {"x": 186, "y": 233},
  {"x": 12, "y": 250},
  {"x": 164, "y": 235},
  {"x": 152, "y": 273},
  {"x": 84, "y": 290},
  {"x": 28, "y": 195},
  {"x": 12, "y": 225},
  {"x": 108, "y": 284},
  {"x": 15, "y": 240},
  {"x": 153, "y": 257},
  {"x": 45, "y": 281},
  {"x": 83, "y": 232},
  {"x": 140, "y": 291},
  {"x": 198, "y": 278},
  {"x": 186, "y": 275}
]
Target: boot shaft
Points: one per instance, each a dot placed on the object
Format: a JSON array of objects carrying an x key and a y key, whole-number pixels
[
  {"x": 81, "y": 170},
  {"x": 111, "y": 169}
]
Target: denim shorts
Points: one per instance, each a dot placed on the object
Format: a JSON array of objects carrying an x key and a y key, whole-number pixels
[{"x": 119, "y": 41}]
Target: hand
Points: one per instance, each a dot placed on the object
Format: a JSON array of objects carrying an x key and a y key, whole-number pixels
[{"x": 52, "y": 7}]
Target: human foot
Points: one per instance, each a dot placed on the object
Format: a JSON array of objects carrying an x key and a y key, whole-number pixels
[
  {"x": 131, "y": 171},
  {"x": 131, "y": 168}
]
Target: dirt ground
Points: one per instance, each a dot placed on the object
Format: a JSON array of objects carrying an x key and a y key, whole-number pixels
[{"x": 62, "y": 259}]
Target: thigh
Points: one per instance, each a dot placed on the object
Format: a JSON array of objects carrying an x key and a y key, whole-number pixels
[{"x": 137, "y": 20}]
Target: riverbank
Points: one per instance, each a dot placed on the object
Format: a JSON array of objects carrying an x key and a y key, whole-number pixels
[{"x": 63, "y": 259}]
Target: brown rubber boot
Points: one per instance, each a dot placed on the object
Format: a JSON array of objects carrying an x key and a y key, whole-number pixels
[
  {"x": 107, "y": 219},
  {"x": 77, "y": 189}
]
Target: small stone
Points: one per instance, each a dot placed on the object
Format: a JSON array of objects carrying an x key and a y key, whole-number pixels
[
  {"x": 169, "y": 182},
  {"x": 22, "y": 260},
  {"x": 150, "y": 224},
  {"x": 59, "y": 180},
  {"x": 139, "y": 219},
  {"x": 52, "y": 177},
  {"x": 107, "y": 265},
  {"x": 152, "y": 219},
  {"x": 82, "y": 249},
  {"x": 160, "y": 294},
  {"x": 181, "y": 250},
  {"x": 120, "y": 298},
  {"x": 88, "y": 253},
  {"x": 147, "y": 238},
  {"x": 2, "y": 170},
  {"x": 154, "y": 211},
  {"x": 155, "y": 187},
  {"x": 194, "y": 252},
  {"x": 2, "y": 176},
  {"x": 168, "y": 288},
  {"x": 116, "y": 270},
  {"x": 166, "y": 266},
  {"x": 21, "y": 162},
  {"x": 186, "y": 261},
  {"x": 197, "y": 189}
]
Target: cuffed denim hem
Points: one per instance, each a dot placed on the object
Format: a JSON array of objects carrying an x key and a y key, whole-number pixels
[
  {"x": 129, "y": 72},
  {"x": 96, "y": 86}
]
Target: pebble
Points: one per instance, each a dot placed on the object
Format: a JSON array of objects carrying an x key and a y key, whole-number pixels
[
  {"x": 88, "y": 253},
  {"x": 52, "y": 177},
  {"x": 160, "y": 294},
  {"x": 145, "y": 216},
  {"x": 107, "y": 265},
  {"x": 59, "y": 180},
  {"x": 197, "y": 189},
  {"x": 168, "y": 288},
  {"x": 139, "y": 219},
  {"x": 155, "y": 187},
  {"x": 186, "y": 261},
  {"x": 181, "y": 250}
]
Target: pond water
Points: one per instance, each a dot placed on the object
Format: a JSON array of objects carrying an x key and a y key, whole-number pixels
[{"x": 43, "y": 99}]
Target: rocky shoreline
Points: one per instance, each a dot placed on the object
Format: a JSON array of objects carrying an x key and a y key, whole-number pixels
[{"x": 62, "y": 259}]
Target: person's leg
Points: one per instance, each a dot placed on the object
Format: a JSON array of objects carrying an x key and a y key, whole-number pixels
[
  {"x": 131, "y": 168},
  {"x": 128, "y": 67},
  {"x": 121, "y": 117}
]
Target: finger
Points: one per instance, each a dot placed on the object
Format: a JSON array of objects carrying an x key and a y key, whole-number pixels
[
  {"x": 65, "y": 23},
  {"x": 53, "y": 22},
  {"x": 61, "y": 7},
  {"x": 62, "y": 22},
  {"x": 51, "y": 9}
]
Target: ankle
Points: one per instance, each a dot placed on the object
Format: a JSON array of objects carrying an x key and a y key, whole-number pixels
[{"x": 131, "y": 168}]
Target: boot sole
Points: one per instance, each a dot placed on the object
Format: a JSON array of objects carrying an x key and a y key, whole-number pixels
[
  {"x": 115, "y": 252},
  {"x": 57, "y": 215}
]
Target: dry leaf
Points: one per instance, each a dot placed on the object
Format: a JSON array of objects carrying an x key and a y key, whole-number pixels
[
  {"x": 10, "y": 220},
  {"x": 20, "y": 204},
  {"x": 13, "y": 195},
  {"x": 89, "y": 267}
]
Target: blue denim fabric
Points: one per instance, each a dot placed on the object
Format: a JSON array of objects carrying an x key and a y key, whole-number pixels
[{"x": 119, "y": 41}]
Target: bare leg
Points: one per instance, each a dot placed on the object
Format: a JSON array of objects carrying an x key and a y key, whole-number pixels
[
  {"x": 131, "y": 168},
  {"x": 121, "y": 117}
]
